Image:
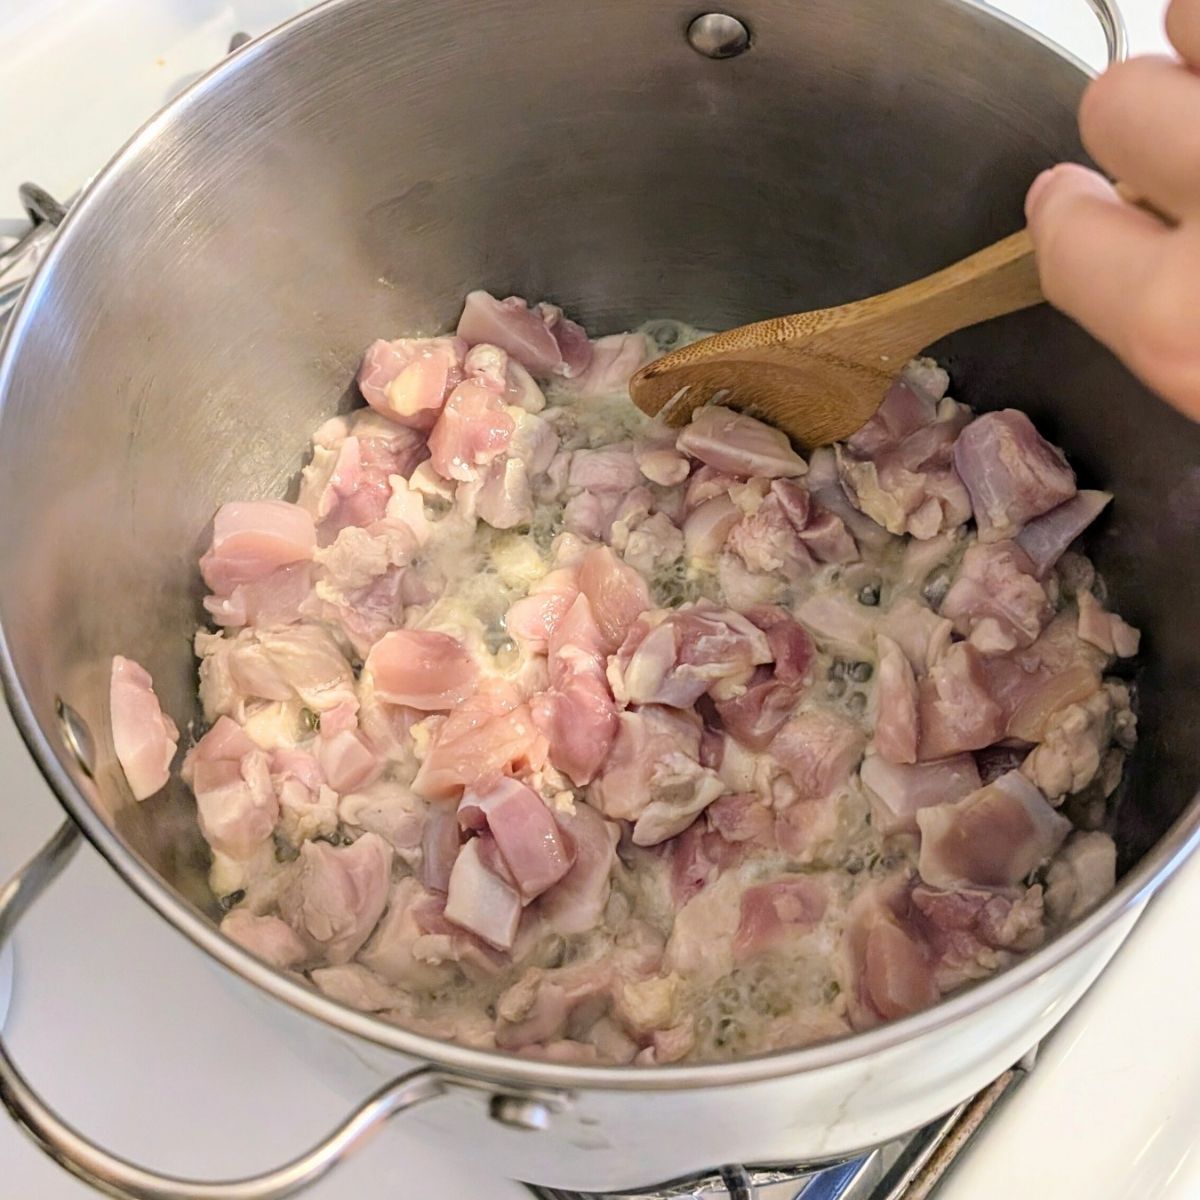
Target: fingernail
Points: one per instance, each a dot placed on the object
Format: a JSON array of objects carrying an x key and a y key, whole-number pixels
[{"x": 1036, "y": 190}]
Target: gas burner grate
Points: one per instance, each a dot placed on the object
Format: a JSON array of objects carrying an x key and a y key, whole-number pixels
[{"x": 909, "y": 1168}]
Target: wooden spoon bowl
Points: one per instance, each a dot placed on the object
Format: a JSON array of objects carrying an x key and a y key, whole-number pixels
[{"x": 821, "y": 375}]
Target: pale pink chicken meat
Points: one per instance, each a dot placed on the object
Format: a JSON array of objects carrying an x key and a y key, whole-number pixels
[
  {"x": 897, "y": 725},
  {"x": 526, "y": 834},
  {"x": 995, "y": 600},
  {"x": 269, "y": 938},
  {"x": 542, "y": 728},
  {"x": 408, "y": 380},
  {"x": 992, "y": 838},
  {"x": 479, "y": 900},
  {"x": 144, "y": 737},
  {"x": 1046, "y": 538},
  {"x": 900, "y": 790},
  {"x": 774, "y": 913},
  {"x": 252, "y": 538},
  {"x": 421, "y": 669},
  {"x": 472, "y": 429},
  {"x": 491, "y": 732},
  {"x": 236, "y": 803},
  {"x": 1011, "y": 471},
  {"x": 739, "y": 445},
  {"x": 335, "y": 895}
]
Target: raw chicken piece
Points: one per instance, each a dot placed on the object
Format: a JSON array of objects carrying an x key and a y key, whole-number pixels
[
  {"x": 825, "y": 486},
  {"x": 897, "y": 729},
  {"x": 276, "y": 599},
  {"x": 1011, "y": 471},
  {"x": 505, "y": 498},
  {"x": 890, "y": 967},
  {"x": 777, "y": 912},
  {"x": 819, "y": 750},
  {"x": 235, "y": 803},
  {"x": 612, "y": 469},
  {"x": 898, "y": 791},
  {"x": 707, "y": 528},
  {"x": 766, "y": 541},
  {"x": 335, "y": 895},
  {"x": 904, "y": 410},
  {"x": 422, "y": 669},
  {"x": 1082, "y": 873},
  {"x": 956, "y": 710},
  {"x": 540, "y": 338},
  {"x": 472, "y": 430},
  {"x": 918, "y": 631},
  {"x": 700, "y": 947},
  {"x": 739, "y": 445},
  {"x": 296, "y": 662},
  {"x": 576, "y": 903},
  {"x": 441, "y": 841},
  {"x": 616, "y": 593},
  {"x": 757, "y": 714},
  {"x": 973, "y": 932},
  {"x": 356, "y": 986},
  {"x": 398, "y": 950},
  {"x": 144, "y": 737},
  {"x": 536, "y": 1009},
  {"x": 252, "y": 538},
  {"x": 615, "y": 358},
  {"x": 1104, "y": 630},
  {"x": 526, "y": 834},
  {"x": 269, "y": 938},
  {"x": 491, "y": 732},
  {"x": 906, "y": 480},
  {"x": 1075, "y": 740},
  {"x": 658, "y": 459},
  {"x": 836, "y": 619},
  {"x": 577, "y": 714},
  {"x": 653, "y": 776},
  {"x": 408, "y": 380},
  {"x": 1046, "y": 538},
  {"x": 388, "y": 809},
  {"x": 676, "y": 656},
  {"x": 227, "y": 740},
  {"x": 993, "y": 838},
  {"x": 995, "y": 601},
  {"x": 534, "y": 618},
  {"x": 699, "y": 855},
  {"x": 480, "y": 901},
  {"x": 348, "y": 760}
]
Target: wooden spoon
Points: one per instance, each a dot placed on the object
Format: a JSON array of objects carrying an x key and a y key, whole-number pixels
[{"x": 820, "y": 375}]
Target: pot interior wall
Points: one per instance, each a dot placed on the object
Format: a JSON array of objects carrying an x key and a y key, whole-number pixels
[{"x": 207, "y": 306}]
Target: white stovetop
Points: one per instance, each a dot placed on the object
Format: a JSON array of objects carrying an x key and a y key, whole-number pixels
[{"x": 137, "y": 1041}]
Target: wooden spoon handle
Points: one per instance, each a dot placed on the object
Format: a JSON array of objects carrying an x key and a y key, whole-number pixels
[{"x": 1000, "y": 279}]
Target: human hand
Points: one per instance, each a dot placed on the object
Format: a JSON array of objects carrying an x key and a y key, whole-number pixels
[{"x": 1128, "y": 277}]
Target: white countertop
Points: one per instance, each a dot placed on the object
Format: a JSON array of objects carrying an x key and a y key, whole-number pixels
[{"x": 136, "y": 1038}]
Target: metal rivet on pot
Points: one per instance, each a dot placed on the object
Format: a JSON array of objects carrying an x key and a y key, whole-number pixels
[
  {"x": 77, "y": 736},
  {"x": 718, "y": 35},
  {"x": 520, "y": 1112}
]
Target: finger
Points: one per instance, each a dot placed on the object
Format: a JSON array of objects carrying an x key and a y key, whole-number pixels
[
  {"x": 1141, "y": 122},
  {"x": 1125, "y": 277},
  {"x": 1183, "y": 28}
]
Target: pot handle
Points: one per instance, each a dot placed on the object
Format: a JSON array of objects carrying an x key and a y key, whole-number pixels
[
  {"x": 124, "y": 1180},
  {"x": 1112, "y": 21},
  {"x": 19, "y": 261}
]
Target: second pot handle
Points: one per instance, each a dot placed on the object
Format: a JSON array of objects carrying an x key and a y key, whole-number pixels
[
  {"x": 117, "y": 1177},
  {"x": 1112, "y": 21}
]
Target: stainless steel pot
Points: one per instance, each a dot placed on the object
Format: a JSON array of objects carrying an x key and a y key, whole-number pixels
[{"x": 352, "y": 174}]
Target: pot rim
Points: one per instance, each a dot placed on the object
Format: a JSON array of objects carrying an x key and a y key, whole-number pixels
[{"x": 1131, "y": 893}]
